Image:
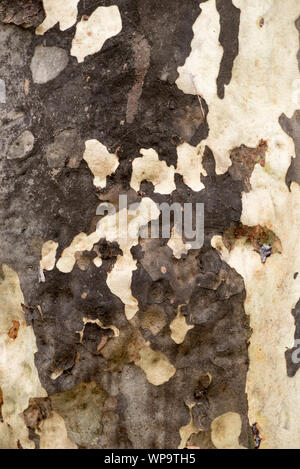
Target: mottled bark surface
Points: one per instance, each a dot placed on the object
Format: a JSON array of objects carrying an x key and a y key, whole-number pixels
[{"x": 108, "y": 372}]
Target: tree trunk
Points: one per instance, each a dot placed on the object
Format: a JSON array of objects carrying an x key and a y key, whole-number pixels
[{"x": 150, "y": 202}]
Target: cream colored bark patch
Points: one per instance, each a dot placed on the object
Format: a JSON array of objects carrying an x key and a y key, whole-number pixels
[
  {"x": 260, "y": 89},
  {"x": 53, "y": 434},
  {"x": 124, "y": 228},
  {"x": 225, "y": 431},
  {"x": 200, "y": 71},
  {"x": 97, "y": 261},
  {"x": 81, "y": 242},
  {"x": 186, "y": 431},
  {"x": 189, "y": 165},
  {"x": 63, "y": 12},
  {"x": 48, "y": 255},
  {"x": 156, "y": 366},
  {"x": 177, "y": 245},
  {"x": 91, "y": 34},
  {"x": 100, "y": 161},
  {"x": 149, "y": 168},
  {"x": 19, "y": 378},
  {"x": 179, "y": 328},
  {"x": 119, "y": 283}
]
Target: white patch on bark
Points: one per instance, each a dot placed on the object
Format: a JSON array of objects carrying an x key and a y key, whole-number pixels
[
  {"x": 48, "y": 255},
  {"x": 91, "y": 34},
  {"x": 150, "y": 168},
  {"x": 115, "y": 330},
  {"x": 81, "y": 242},
  {"x": 177, "y": 245},
  {"x": 120, "y": 277},
  {"x": 100, "y": 161},
  {"x": 199, "y": 73},
  {"x": 189, "y": 165},
  {"x": 19, "y": 378}
]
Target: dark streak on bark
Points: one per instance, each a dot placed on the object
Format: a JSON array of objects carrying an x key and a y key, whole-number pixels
[
  {"x": 229, "y": 38},
  {"x": 292, "y": 128},
  {"x": 25, "y": 13}
]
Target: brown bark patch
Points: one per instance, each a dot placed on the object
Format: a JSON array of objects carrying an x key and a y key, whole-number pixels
[
  {"x": 14, "y": 330},
  {"x": 243, "y": 161},
  {"x": 256, "y": 235}
]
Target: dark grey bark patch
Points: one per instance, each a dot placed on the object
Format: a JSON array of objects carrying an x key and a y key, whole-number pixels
[{"x": 26, "y": 13}]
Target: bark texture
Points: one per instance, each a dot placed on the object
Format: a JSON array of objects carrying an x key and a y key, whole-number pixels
[{"x": 149, "y": 343}]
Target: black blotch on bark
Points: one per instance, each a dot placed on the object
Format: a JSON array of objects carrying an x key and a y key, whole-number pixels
[{"x": 229, "y": 39}]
